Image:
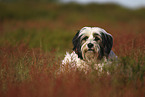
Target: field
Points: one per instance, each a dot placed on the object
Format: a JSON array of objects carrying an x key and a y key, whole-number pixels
[{"x": 35, "y": 36}]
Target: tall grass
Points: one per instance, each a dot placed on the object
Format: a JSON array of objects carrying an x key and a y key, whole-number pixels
[
  {"x": 31, "y": 72},
  {"x": 34, "y": 39}
]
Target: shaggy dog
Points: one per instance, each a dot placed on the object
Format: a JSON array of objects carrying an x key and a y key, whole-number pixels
[{"x": 92, "y": 49}]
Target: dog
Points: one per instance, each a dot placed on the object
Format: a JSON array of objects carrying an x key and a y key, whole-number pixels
[{"x": 92, "y": 47}]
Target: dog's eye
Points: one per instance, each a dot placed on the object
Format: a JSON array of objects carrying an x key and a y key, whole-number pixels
[
  {"x": 96, "y": 38},
  {"x": 85, "y": 38}
]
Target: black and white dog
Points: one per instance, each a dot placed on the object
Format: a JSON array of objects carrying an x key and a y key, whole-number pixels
[{"x": 92, "y": 45}]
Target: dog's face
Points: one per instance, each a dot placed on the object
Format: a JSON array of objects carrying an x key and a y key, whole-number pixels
[{"x": 92, "y": 43}]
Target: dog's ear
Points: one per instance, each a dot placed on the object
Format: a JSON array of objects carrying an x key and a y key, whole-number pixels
[
  {"x": 77, "y": 44},
  {"x": 75, "y": 41},
  {"x": 107, "y": 42}
]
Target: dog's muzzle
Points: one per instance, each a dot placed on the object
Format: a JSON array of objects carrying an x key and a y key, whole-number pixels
[
  {"x": 90, "y": 52},
  {"x": 90, "y": 47}
]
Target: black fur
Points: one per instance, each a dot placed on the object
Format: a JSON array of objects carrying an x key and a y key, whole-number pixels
[
  {"x": 107, "y": 43},
  {"x": 77, "y": 45},
  {"x": 101, "y": 53}
]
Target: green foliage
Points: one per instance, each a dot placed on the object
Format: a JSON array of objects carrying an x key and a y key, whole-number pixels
[
  {"x": 45, "y": 39},
  {"x": 29, "y": 1},
  {"x": 51, "y": 10}
]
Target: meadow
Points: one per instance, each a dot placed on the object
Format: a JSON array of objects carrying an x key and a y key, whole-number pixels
[{"x": 34, "y": 37}]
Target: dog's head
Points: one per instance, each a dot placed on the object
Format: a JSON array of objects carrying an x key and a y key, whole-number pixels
[{"x": 92, "y": 43}]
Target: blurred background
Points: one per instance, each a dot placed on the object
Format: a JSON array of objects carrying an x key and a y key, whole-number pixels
[
  {"x": 51, "y": 24},
  {"x": 133, "y": 4},
  {"x": 35, "y": 35}
]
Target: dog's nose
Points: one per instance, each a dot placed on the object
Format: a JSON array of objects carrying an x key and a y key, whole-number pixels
[{"x": 90, "y": 45}]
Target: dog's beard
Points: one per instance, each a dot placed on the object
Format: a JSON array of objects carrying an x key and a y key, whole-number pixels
[{"x": 90, "y": 55}]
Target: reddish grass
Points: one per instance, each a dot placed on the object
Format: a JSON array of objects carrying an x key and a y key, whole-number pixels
[
  {"x": 31, "y": 72},
  {"x": 41, "y": 79}
]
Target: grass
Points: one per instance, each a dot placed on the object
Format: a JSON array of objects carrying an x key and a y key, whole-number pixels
[{"x": 34, "y": 39}]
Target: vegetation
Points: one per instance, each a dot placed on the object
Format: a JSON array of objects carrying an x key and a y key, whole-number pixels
[{"x": 35, "y": 36}]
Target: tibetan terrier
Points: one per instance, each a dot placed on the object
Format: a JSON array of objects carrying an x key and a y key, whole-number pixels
[{"x": 92, "y": 46}]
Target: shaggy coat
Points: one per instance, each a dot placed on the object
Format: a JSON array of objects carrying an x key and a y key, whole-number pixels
[{"x": 91, "y": 46}]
